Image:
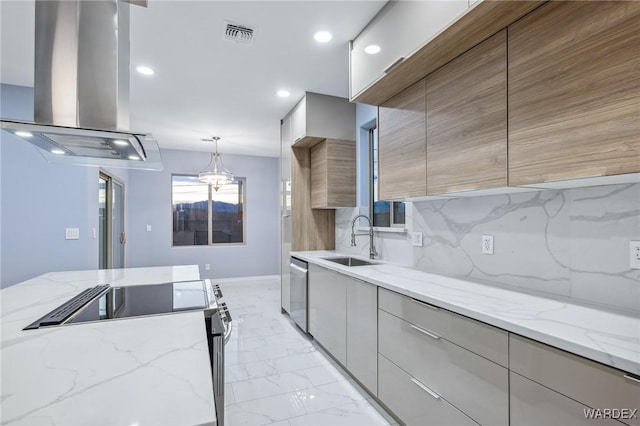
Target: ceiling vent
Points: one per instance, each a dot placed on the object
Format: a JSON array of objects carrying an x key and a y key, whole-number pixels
[{"x": 238, "y": 33}]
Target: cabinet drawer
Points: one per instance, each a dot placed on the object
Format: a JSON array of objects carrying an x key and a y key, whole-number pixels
[
  {"x": 412, "y": 404},
  {"x": 588, "y": 382},
  {"x": 485, "y": 340},
  {"x": 534, "y": 405},
  {"x": 473, "y": 384}
]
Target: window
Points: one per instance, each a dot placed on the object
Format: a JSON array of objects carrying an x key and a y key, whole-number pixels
[
  {"x": 384, "y": 213},
  {"x": 202, "y": 216}
]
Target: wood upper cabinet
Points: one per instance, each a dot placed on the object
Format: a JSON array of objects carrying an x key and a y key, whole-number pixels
[
  {"x": 402, "y": 145},
  {"x": 574, "y": 92},
  {"x": 333, "y": 174},
  {"x": 467, "y": 120}
]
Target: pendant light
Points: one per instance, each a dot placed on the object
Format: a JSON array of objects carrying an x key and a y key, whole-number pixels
[{"x": 219, "y": 175}]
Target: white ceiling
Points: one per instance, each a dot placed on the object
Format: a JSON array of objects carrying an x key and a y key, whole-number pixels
[{"x": 205, "y": 86}]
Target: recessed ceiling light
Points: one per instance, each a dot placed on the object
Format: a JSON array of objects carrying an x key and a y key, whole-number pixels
[
  {"x": 372, "y": 49},
  {"x": 322, "y": 36},
  {"x": 145, "y": 70},
  {"x": 120, "y": 142},
  {"x": 134, "y": 157},
  {"x": 283, "y": 93},
  {"x": 57, "y": 151},
  {"x": 23, "y": 134}
]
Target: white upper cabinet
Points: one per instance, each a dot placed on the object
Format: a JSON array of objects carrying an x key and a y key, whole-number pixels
[
  {"x": 399, "y": 29},
  {"x": 317, "y": 117}
]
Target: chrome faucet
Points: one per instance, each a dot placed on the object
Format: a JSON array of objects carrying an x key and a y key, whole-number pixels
[{"x": 372, "y": 248}]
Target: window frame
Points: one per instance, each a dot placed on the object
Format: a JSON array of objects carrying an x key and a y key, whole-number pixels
[
  {"x": 371, "y": 137},
  {"x": 210, "y": 193}
]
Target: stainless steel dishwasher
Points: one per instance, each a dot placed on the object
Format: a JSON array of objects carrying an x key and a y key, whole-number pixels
[{"x": 299, "y": 273}]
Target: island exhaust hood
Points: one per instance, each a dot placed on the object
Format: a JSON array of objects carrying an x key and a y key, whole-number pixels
[{"x": 81, "y": 88}]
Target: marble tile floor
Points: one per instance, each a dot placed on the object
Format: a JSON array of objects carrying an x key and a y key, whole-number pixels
[{"x": 276, "y": 375}]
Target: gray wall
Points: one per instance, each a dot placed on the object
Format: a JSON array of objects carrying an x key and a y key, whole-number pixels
[
  {"x": 570, "y": 243},
  {"x": 150, "y": 204},
  {"x": 38, "y": 201}
]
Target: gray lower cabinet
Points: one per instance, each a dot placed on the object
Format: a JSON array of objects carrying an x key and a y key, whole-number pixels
[
  {"x": 327, "y": 310},
  {"x": 482, "y": 339},
  {"x": 430, "y": 366},
  {"x": 535, "y": 405},
  {"x": 473, "y": 384},
  {"x": 593, "y": 384},
  {"x": 362, "y": 332},
  {"x": 412, "y": 402}
]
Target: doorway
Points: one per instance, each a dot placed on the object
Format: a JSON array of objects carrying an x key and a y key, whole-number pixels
[{"x": 111, "y": 235}]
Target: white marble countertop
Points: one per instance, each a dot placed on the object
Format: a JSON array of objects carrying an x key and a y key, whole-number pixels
[
  {"x": 140, "y": 371},
  {"x": 603, "y": 336}
]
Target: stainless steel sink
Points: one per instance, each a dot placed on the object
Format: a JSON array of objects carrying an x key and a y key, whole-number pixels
[{"x": 350, "y": 261}]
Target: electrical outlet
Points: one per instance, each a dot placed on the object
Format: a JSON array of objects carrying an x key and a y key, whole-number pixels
[
  {"x": 634, "y": 254},
  {"x": 416, "y": 239},
  {"x": 207, "y": 266},
  {"x": 487, "y": 244}
]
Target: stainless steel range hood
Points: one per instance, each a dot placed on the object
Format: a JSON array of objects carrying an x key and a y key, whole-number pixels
[{"x": 81, "y": 88}]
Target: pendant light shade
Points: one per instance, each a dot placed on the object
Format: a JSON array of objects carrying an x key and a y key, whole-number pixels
[{"x": 218, "y": 175}]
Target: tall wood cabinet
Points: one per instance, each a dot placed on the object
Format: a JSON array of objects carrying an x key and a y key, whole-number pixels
[
  {"x": 467, "y": 120},
  {"x": 402, "y": 163},
  {"x": 330, "y": 122},
  {"x": 574, "y": 92}
]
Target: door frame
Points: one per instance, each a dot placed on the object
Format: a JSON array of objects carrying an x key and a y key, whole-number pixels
[{"x": 109, "y": 243}]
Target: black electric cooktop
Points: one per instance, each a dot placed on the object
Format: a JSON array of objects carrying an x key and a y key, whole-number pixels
[{"x": 106, "y": 303}]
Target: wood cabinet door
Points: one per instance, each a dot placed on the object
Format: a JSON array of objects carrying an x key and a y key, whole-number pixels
[
  {"x": 574, "y": 91},
  {"x": 333, "y": 174},
  {"x": 402, "y": 145},
  {"x": 467, "y": 120}
]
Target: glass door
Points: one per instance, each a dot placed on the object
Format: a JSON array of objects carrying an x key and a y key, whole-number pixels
[
  {"x": 117, "y": 229},
  {"x": 111, "y": 235}
]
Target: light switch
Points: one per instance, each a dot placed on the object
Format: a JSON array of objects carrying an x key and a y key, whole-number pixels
[
  {"x": 416, "y": 239},
  {"x": 148, "y": 228},
  {"x": 72, "y": 233}
]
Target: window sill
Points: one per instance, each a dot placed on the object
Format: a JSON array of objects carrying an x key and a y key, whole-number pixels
[{"x": 382, "y": 229}]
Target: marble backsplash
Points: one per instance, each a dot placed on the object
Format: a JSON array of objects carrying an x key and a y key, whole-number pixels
[{"x": 571, "y": 243}]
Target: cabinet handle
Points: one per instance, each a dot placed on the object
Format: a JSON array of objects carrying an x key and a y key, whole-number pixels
[
  {"x": 423, "y": 331},
  {"x": 560, "y": 179},
  {"x": 393, "y": 65},
  {"x": 424, "y": 388},
  {"x": 425, "y": 304},
  {"x": 633, "y": 379},
  {"x": 451, "y": 191},
  {"x": 297, "y": 268},
  {"x": 284, "y": 216}
]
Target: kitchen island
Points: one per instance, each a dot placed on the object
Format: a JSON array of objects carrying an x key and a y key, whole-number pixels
[{"x": 151, "y": 370}]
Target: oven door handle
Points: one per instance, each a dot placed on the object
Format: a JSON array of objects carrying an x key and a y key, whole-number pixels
[{"x": 227, "y": 333}]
